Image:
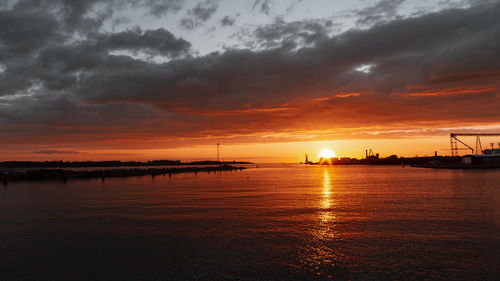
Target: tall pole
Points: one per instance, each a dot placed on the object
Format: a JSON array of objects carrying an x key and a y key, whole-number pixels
[
  {"x": 479, "y": 147},
  {"x": 218, "y": 144}
]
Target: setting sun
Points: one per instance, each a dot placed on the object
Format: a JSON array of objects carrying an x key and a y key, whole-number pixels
[{"x": 326, "y": 153}]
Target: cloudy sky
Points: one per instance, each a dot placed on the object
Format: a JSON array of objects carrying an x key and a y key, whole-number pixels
[{"x": 270, "y": 80}]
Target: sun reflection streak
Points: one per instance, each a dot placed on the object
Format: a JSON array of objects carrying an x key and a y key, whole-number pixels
[
  {"x": 321, "y": 253},
  {"x": 326, "y": 201}
]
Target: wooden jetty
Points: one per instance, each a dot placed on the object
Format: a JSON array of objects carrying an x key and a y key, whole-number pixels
[{"x": 64, "y": 175}]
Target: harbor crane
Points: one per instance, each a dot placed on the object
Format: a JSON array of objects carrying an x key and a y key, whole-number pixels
[{"x": 454, "y": 140}]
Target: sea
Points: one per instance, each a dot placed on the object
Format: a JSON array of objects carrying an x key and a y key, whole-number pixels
[{"x": 274, "y": 222}]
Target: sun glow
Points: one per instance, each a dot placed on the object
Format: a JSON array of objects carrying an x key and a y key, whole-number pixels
[{"x": 326, "y": 153}]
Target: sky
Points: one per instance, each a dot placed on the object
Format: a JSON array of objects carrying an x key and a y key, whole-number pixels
[{"x": 268, "y": 80}]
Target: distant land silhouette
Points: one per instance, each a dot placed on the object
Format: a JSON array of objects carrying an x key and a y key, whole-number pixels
[
  {"x": 76, "y": 164},
  {"x": 391, "y": 160},
  {"x": 36, "y": 172}
]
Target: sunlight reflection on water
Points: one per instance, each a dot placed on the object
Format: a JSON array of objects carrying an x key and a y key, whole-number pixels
[
  {"x": 319, "y": 256},
  {"x": 274, "y": 223}
]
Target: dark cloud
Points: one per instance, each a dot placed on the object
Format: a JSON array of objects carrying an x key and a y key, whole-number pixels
[
  {"x": 38, "y": 52},
  {"x": 75, "y": 10},
  {"x": 158, "y": 41},
  {"x": 60, "y": 67},
  {"x": 270, "y": 78},
  {"x": 161, "y": 7},
  {"x": 264, "y": 6},
  {"x": 204, "y": 10},
  {"x": 189, "y": 23},
  {"x": 74, "y": 14},
  {"x": 436, "y": 70},
  {"x": 22, "y": 32},
  {"x": 87, "y": 16},
  {"x": 292, "y": 34},
  {"x": 382, "y": 11},
  {"x": 199, "y": 14},
  {"x": 227, "y": 21}
]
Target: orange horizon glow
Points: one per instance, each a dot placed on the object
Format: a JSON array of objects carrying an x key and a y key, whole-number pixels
[
  {"x": 268, "y": 147},
  {"x": 281, "y": 152},
  {"x": 340, "y": 121}
]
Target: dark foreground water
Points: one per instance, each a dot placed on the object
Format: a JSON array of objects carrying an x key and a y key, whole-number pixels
[{"x": 274, "y": 223}]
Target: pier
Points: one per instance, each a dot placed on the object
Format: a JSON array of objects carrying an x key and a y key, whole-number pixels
[{"x": 65, "y": 175}]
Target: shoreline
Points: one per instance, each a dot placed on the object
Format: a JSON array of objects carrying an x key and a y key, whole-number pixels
[
  {"x": 114, "y": 164},
  {"x": 457, "y": 167},
  {"x": 64, "y": 175}
]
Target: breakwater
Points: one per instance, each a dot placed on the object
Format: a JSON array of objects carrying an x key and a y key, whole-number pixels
[
  {"x": 64, "y": 175},
  {"x": 109, "y": 164}
]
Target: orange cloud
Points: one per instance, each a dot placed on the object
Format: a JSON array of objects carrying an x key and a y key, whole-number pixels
[
  {"x": 231, "y": 112},
  {"x": 346, "y": 95},
  {"x": 447, "y": 92}
]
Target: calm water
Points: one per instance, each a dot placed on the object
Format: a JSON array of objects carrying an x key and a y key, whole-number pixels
[{"x": 271, "y": 223}]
